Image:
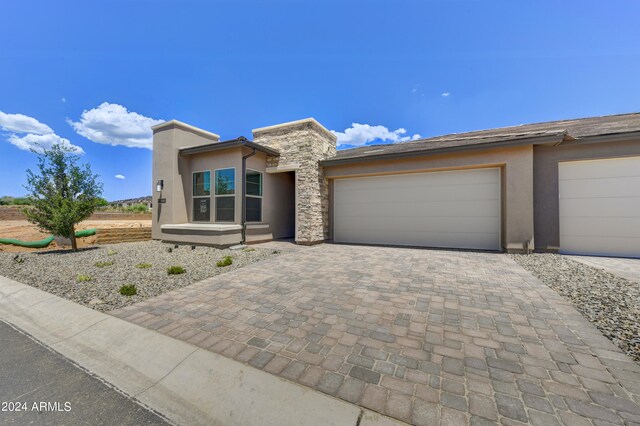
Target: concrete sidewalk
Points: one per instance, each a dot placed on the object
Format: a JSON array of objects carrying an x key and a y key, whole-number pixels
[
  {"x": 623, "y": 267},
  {"x": 186, "y": 384}
]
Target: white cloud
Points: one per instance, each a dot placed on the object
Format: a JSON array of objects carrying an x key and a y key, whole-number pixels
[
  {"x": 40, "y": 142},
  {"x": 112, "y": 124},
  {"x": 119, "y": 177},
  {"x": 445, "y": 94},
  {"x": 28, "y": 134},
  {"x": 20, "y": 123},
  {"x": 361, "y": 134}
]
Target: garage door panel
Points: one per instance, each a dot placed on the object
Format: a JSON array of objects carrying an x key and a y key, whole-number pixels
[
  {"x": 437, "y": 179},
  {"x": 371, "y": 194},
  {"x": 601, "y": 188},
  {"x": 600, "y": 207},
  {"x": 603, "y": 246},
  {"x": 485, "y": 208},
  {"x": 594, "y": 169},
  {"x": 602, "y": 227},
  {"x": 417, "y": 238},
  {"x": 587, "y": 207},
  {"x": 434, "y": 224},
  {"x": 439, "y": 209}
]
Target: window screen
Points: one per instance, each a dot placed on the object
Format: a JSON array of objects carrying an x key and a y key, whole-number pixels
[
  {"x": 202, "y": 209},
  {"x": 225, "y": 209}
]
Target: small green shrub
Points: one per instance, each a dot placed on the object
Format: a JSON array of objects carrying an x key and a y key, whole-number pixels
[
  {"x": 224, "y": 262},
  {"x": 128, "y": 290},
  {"x": 101, "y": 202},
  {"x": 176, "y": 270},
  {"x": 137, "y": 208},
  {"x": 81, "y": 278},
  {"x": 143, "y": 265},
  {"x": 22, "y": 201},
  {"x": 111, "y": 252},
  {"x": 103, "y": 264},
  {"x": 249, "y": 249}
]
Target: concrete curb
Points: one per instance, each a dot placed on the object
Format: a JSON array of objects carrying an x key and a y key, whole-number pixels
[{"x": 186, "y": 384}]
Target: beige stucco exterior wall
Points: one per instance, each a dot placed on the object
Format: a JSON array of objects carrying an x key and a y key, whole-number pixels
[
  {"x": 177, "y": 173},
  {"x": 168, "y": 166},
  {"x": 547, "y": 203},
  {"x": 517, "y": 177},
  {"x": 210, "y": 161},
  {"x": 302, "y": 145}
]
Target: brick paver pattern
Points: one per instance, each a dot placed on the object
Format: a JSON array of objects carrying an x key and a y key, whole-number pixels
[
  {"x": 622, "y": 267},
  {"x": 424, "y": 336}
]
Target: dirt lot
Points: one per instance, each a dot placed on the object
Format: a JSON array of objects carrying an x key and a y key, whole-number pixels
[
  {"x": 23, "y": 230},
  {"x": 15, "y": 213}
]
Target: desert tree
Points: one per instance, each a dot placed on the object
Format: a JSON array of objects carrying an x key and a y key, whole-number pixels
[{"x": 64, "y": 192}]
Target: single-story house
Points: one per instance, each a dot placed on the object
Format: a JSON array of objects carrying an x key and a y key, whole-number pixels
[{"x": 571, "y": 186}]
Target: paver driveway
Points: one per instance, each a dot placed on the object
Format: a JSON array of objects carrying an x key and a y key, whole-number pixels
[{"x": 424, "y": 336}]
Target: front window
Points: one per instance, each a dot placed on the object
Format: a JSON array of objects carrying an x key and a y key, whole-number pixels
[
  {"x": 225, "y": 188},
  {"x": 202, "y": 196},
  {"x": 253, "y": 210}
]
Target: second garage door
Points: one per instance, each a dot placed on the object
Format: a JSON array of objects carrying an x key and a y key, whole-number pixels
[
  {"x": 600, "y": 207},
  {"x": 457, "y": 209}
]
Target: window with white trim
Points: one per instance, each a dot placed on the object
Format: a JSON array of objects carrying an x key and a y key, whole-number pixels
[
  {"x": 201, "y": 196},
  {"x": 253, "y": 207},
  {"x": 224, "y": 194}
]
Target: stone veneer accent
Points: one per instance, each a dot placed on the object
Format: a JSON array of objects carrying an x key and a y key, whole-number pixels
[{"x": 304, "y": 143}]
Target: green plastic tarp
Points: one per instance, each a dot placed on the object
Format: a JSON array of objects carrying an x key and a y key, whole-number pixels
[{"x": 44, "y": 242}]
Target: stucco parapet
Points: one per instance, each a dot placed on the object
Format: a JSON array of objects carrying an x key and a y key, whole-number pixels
[{"x": 173, "y": 124}]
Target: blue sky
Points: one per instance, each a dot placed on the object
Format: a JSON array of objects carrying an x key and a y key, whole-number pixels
[{"x": 429, "y": 67}]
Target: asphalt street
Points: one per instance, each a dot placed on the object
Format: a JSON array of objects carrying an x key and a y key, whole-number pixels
[{"x": 41, "y": 387}]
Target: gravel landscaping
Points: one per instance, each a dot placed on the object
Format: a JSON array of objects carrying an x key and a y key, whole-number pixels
[
  {"x": 94, "y": 276},
  {"x": 610, "y": 302}
]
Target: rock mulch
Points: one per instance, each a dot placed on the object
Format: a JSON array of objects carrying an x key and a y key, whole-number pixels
[
  {"x": 610, "y": 302},
  {"x": 57, "y": 272}
]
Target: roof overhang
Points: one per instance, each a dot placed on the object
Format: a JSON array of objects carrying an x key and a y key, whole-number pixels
[
  {"x": 547, "y": 139},
  {"x": 611, "y": 137},
  {"x": 234, "y": 143}
]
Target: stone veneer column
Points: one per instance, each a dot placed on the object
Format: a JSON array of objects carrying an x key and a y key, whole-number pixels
[{"x": 303, "y": 144}]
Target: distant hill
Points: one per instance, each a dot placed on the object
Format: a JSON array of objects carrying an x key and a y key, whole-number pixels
[{"x": 140, "y": 200}]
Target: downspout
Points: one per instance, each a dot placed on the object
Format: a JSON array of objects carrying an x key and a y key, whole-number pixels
[{"x": 244, "y": 194}]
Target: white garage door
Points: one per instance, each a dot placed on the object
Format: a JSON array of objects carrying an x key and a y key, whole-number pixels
[
  {"x": 459, "y": 209},
  {"x": 600, "y": 207}
]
